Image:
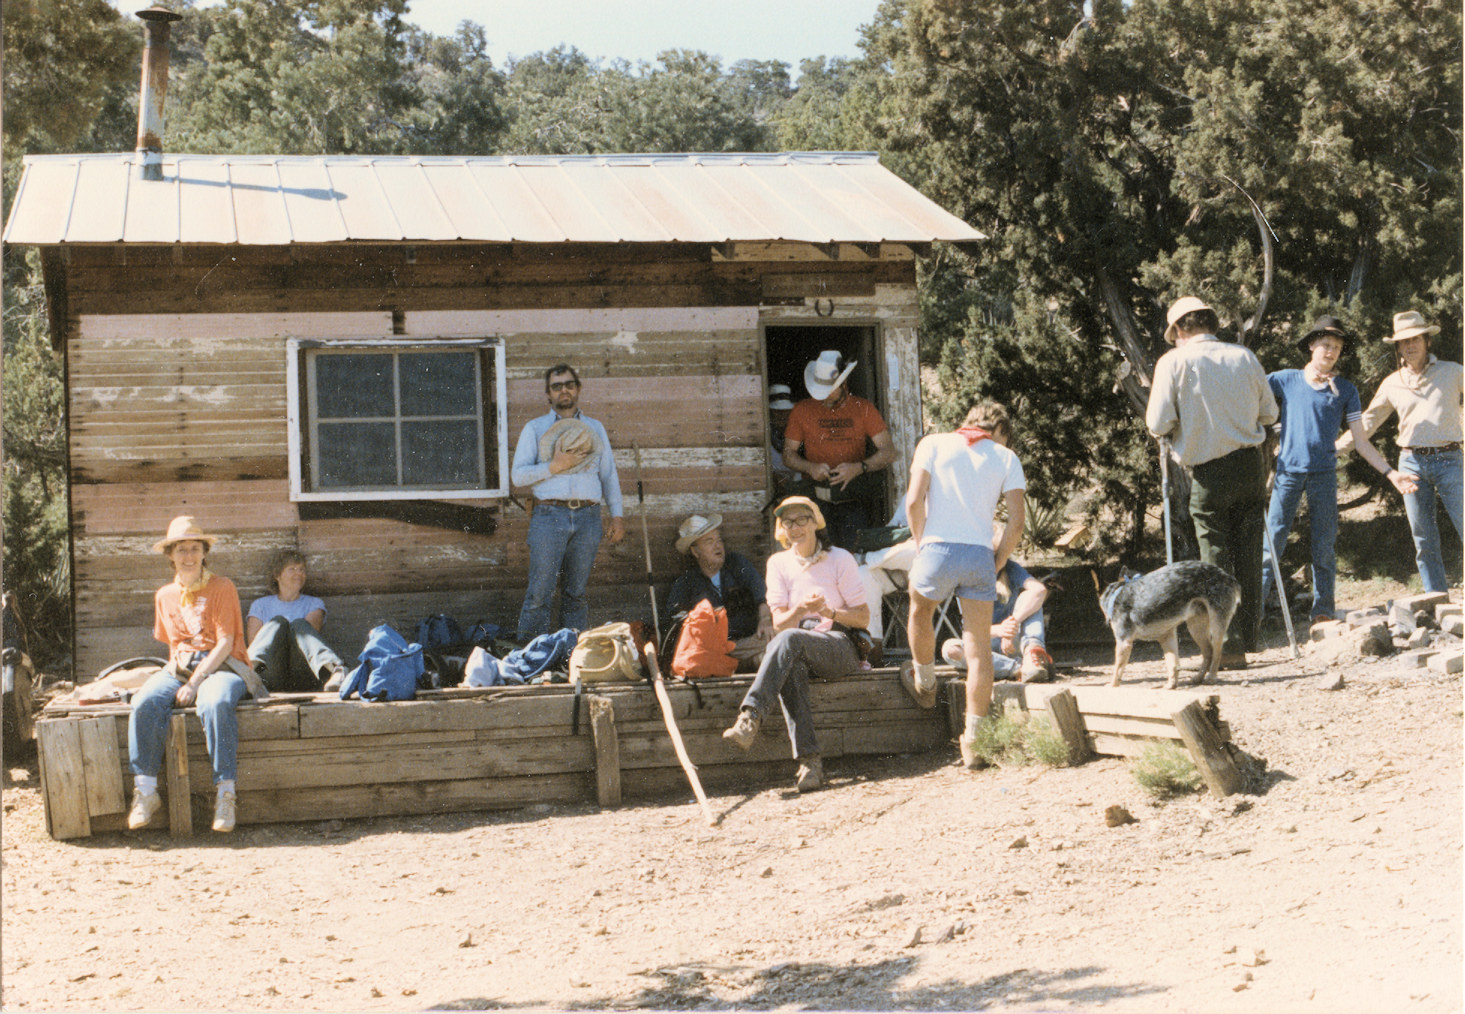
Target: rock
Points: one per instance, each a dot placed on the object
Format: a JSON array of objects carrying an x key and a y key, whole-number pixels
[
  {"x": 1117, "y": 816},
  {"x": 1251, "y": 958},
  {"x": 1426, "y": 600},
  {"x": 1335, "y": 773},
  {"x": 1326, "y": 629},
  {"x": 915, "y": 938},
  {"x": 767, "y": 872},
  {"x": 1020, "y": 892},
  {"x": 1417, "y": 659},
  {"x": 1364, "y": 617},
  {"x": 1448, "y": 663},
  {"x": 1330, "y": 681},
  {"x": 947, "y": 935},
  {"x": 1454, "y": 624},
  {"x": 1019, "y": 843},
  {"x": 1401, "y": 619},
  {"x": 1420, "y": 638},
  {"x": 1445, "y": 609},
  {"x": 1374, "y": 640},
  {"x": 1331, "y": 651}
]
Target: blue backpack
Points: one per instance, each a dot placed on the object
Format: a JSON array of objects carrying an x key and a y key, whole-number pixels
[
  {"x": 389, "y": 668},
  {"x": 438, "y": 631}
]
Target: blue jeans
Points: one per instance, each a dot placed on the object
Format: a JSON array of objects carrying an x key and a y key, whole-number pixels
[
  {"x": 152, "y": 707},
  {"x": 1439, "y": 477},
  {"x": 793, "y": 658},
  {"x": 1322, "y": 508},
  {"x": 289, "y": 655},
  {"x": 562, "y": 545},
  {"x": 1030, "y": 631}
]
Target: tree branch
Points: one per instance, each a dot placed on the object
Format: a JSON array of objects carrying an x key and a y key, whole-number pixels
[{"x": 1268, "y": 265}]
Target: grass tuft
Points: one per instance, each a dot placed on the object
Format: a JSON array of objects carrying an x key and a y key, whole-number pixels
[
  {"x": 1165, "y": 769},
  {"x": 1015, "y": 739}
]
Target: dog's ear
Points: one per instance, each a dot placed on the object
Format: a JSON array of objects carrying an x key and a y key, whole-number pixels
[{"x": 1128, "y": 574}]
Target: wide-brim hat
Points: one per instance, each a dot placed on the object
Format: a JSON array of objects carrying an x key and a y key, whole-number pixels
[
  {"x": 570, "y": 435},
  {"x": 183, "y": 528},
  {"x": 780, "y": 398},
  {"x": 692, "y": 529},
  {"x": 823, "y": 375},
  {"x": 1178, "y": 309},
  {"x": 1410, "y": 324},
  {"x": 1324, "y": 325},
  {"x": 800, "y": 501}
]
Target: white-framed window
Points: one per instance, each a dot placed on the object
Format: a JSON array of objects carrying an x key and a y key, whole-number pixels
[{"x": 395, "y": 419}]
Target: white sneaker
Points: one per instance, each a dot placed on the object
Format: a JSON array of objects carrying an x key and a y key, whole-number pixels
[
  {"x": 224, "y": 811},
  {"x": 145, "y": 806},
  {"x": 953, "y": 652}
]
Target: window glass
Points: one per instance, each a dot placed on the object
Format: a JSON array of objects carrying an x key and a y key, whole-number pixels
[
  {"x": 355, "y": 454},
  {"x": 438, "y": 383},
  {"x": 440, "y": 452},
  {"x": 354, "y": 385}
]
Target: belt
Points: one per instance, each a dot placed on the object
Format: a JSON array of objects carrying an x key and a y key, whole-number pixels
[
  {"x": 573, "y": 505},
  {"x": 1441, "y": 449}
]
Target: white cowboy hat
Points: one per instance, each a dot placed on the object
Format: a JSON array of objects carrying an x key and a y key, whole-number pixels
[
  {"x": 571, "y": 435},
  {"x": 780, "y": 398},
  {"x": 823, "y": 375},
  {"x": 183, "y": 529},
  {"x": 1178, "y": 309},
  {"x": 692, "y": 529},
  {"x": 1410, "y": 323}
]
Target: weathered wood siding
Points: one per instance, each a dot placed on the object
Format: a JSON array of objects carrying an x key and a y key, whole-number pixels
[{"x": 177, "y": 401}]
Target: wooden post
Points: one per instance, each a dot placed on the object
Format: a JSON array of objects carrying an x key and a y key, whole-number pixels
[
  {"x": 1207, "y": 750},
  {"x": 1070, "y": 725},
  {"x": 63, "y": 779},
  {"x": 102, "y": 764},
  {"x": 180, "y": 807},
  {"x": 607, "y": 751}
]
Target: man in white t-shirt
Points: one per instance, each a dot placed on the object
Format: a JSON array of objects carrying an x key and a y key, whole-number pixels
[{"x": 957, "y": 479}]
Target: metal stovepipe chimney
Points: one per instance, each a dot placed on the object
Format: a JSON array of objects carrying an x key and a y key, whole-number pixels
[{"x": 153, "y": 92}]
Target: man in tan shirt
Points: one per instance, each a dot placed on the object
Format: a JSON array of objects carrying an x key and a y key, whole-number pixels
[{"x": 1212, "y": 400}]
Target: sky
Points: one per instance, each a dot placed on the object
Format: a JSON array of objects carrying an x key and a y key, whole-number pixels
[{"x": 787, "y": 30}]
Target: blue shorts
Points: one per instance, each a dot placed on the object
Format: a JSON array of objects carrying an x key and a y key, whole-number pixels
[{"x": 945, "y": 567}]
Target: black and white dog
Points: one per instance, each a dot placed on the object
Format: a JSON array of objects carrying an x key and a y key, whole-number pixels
[{"x": 1151, "y": 607}]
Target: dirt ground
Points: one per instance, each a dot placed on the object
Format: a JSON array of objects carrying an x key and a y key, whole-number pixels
[{"x": 909, "y": 884}]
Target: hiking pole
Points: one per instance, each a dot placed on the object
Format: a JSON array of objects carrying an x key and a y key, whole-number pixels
[
  {"x": 646, "y": 541},
  {"x": 1281, "y": 591},
  {"x": 664, "y": 699},
  {"x": 1165, "y": 497}
]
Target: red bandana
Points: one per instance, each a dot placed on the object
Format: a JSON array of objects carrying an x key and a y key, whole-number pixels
[{"x": 973, "y": 434}]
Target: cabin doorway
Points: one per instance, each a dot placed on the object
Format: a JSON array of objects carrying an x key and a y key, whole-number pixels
[{"x": 790, "y": 348}]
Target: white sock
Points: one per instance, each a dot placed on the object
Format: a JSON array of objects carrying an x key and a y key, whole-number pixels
[
  {"x": 972, "y": 723},
  {"x": 227, "y": 785},
  {"x": 925, "y": 674},
  {"x": 146, "y": 785}
]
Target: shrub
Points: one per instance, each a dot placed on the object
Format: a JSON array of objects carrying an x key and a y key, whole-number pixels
[
  {"x": 1165, "y": 769},
  {"x": 1015, "y": 740}
]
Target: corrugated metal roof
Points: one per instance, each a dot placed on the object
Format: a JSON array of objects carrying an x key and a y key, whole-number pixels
[{"x": 812, "y": 197}]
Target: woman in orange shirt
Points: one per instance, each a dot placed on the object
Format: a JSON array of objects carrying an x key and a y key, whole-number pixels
[{"x": 197, "y": 615}]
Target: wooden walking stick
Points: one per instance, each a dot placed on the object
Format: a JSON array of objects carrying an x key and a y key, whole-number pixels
[
  {"x": 664, "y": 699},
  {"x": 1165, "y": 496},
  {"x": 646, "y": 541}
]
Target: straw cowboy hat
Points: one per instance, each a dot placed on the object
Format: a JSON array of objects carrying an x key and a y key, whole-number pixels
[
  {"x": 183, "y": 529},
  {"x": 1178, "y": 309},
  {"x": 780, "y": 398},
  {"x": 823, "y": 375},
  {"x": 571, "y": 435},
  {"x": 1409, "y": 324},
  {"x": 692, "y": 529},
  {"x": 1325, "y": 325}
]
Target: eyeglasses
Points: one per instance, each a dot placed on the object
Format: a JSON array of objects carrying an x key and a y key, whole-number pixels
[
  {"x": 564, "y": 385},
  {"x": 799, "y": 520}
]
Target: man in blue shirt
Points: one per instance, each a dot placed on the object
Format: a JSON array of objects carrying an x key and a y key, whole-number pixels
[
  {"x": 1315, "y": 404},
  {"x": 566, "y": 457},
  {"x": 725, "y": 579}
]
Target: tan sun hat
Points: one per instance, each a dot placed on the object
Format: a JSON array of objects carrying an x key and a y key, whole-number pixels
[
  {"x": 800, "y": 501},
  {"x": 571, "y": 435},
  {"x": 1409, "y": 324},
  {"x": 780, "y": 398},
  {"x": 183, "y": 529},
  {"x": 694, "y": 528},
  {"x": 1178, "y": 309},
  {"x": 826, "y": 373}
]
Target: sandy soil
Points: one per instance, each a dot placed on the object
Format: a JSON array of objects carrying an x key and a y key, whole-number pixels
[{"x": 910, "y": 884}]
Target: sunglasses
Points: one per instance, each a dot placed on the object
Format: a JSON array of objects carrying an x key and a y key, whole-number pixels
[
  {"x": 791, "y": 520},
  {"x": 564, "y": 385}
]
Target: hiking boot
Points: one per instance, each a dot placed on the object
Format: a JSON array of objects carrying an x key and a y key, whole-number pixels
[
  {"x": 811, "y": 774},
  {"x": 145, "y": 806},
  {"x": 1037, "y": 665},
  {"x": 953, "y": 652},
  {"x": 335, "y": 676},
  {"x": 224, "y": 811},
  {"x": 745, "y": 730},
  {"x": 923, "y": 695}
]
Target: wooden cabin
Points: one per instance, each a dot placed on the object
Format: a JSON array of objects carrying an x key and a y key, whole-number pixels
[{"x": 201, "y": 314}]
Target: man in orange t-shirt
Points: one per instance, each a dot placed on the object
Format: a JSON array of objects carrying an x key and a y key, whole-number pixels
[{"x": 828, "y": 439}]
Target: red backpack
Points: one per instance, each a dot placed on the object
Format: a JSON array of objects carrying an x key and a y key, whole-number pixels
[{"x": 703, "y": 648}]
